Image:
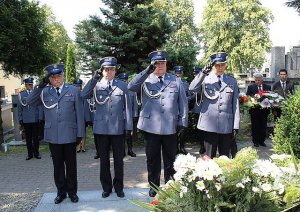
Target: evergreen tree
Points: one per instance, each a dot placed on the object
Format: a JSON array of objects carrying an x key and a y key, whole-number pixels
[
  {"x": 130, "y": 31},
  {"x": 70, "y": 64},
  {"x": 240, "y": 28},
  {"x": 295, "y": 4}
]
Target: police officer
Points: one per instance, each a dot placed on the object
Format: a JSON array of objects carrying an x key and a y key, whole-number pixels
[
  {"x": 81, "y": 146},
  {"x": 64, "y": 126},
  {"x": 195, "y": 101},
  {"x": 135, "y": 115},
  {"x": 164, "y": 108},
  {"x": 178, "y": 71},
  {"x": 29, "y": 118},
  {"x": 219, "y": 114},
  {"x": 112, "y": 118}
]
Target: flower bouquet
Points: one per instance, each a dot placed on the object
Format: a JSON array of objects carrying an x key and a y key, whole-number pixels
[
  {"x": 242, "y": 184},
  {"x": 263, "y": 99}
]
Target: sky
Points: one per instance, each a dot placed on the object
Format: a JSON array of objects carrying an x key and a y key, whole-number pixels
[{"x": 284, "y": 31}]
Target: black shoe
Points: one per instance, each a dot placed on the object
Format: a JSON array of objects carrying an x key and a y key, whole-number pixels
[
  {"x": 202, "y": 150},
  {"x": 83, "y": 150},
  {"x": 263, "y": 144},
  {"x": 121, "y": 194},
  {"x": 96, "y": 156},
  {"x": 256, "y": 145},
  {"x": 74, "y": 198},
  {"x": 29, "y": 157},
  {"x": 60, "y": 198},
  {"x": 37, "y": 157},
  {"x": 183, "y": 151},
  {"x": 105, "y": 194},
  {"x": 152, "y": 193},
  {"x": 131, "y": 153}
]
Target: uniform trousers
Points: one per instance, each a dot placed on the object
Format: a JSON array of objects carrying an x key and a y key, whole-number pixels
[
  {"x": 259, "y": 119},
  {"x": 216, "y": 141},
  {"x": 118, "y": 146},
  {"x": 154, "y": 144},
  {"x": 32, "y": 142},
  {"x": 65, "y": 167}
]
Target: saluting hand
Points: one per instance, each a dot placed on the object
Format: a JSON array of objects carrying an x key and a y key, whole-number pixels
[
  {"x": 44, "y": 82},
  {"x": 98, "y": 74},
  {"x": 207, "y": 68},
  {"x": 151, "y": 67}
]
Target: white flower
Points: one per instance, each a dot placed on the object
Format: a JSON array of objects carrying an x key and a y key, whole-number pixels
[
  {"x": 200, "y": 185},
  {"x": 266, "y": 168},
  {"x": 178, "y": 175},
  {"x": 246, "y": 180},
  {"x": 224, "y": 157},
  {"x": 208, "y": 175},
  {"x": 218, "y": 186},
  {"x": 208, "y": 195},
  {"x": 266, "y": 187},
  {"x": 169, "y": 184},
  {"x": 183, "y": 189},
  {"x": 185, "y": 162},
  {"x": 240, "y": 185},
  {"x": 255, "y": 189},
  {"x": 207, "y": 169}
]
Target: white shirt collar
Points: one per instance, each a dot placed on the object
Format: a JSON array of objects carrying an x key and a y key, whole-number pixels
[
  {"x": 104, "y": 81},
  {"x": 163, "y": 76},
  {"x": 60, "y": 87}
]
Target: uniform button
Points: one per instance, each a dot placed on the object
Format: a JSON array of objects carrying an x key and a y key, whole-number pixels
[
  {"x": 162, "y": 111},
  {"x": 220, "y": 111},
  {"x": 220, "y": 104},
  {"x": 163, "y": 105},
  {"x": 162, "y": 97}
]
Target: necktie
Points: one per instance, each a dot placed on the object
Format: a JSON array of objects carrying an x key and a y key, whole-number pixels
[
  {"x": 57, "y": 91},
  {"x": 161, "y": 80},
  {"x": 260, "y": 88},
  {"x": 109, "y": 86},
  {"x": 283, "y": 85},
  {"x": 219, "y": 81}
]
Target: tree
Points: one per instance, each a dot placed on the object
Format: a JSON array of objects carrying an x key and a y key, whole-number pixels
[
  {"x": 130, "y": 31},
  {"x": 238, "y": 27},
  {"x": 59, "y": 39},
  {"x": 23, "y": 36},
  {"x": 183, "y": 45},
  {"x": 70, "y": 64},
  {"x": 295, "y": 4}
]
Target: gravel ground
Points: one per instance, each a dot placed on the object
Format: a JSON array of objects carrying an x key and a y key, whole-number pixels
[{"x": 20, "y": 202}]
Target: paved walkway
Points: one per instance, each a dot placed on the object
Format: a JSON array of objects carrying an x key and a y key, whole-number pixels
[{"x": 18, "y": 176}]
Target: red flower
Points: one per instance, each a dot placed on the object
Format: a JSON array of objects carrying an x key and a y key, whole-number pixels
[
  {"x": 154, "y": 202},
  {"x": 261, "y": 92},
  {"x": 244, "y": 99}
]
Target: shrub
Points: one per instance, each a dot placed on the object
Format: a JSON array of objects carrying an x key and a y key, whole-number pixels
[{"x": 287, "y": 128}]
